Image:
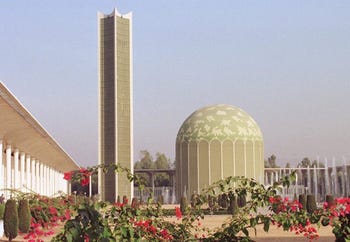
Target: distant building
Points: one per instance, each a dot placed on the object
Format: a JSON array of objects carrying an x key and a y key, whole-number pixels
[
  {"x": 216, "y": 142},
  {"x": 115, "y": 102}
]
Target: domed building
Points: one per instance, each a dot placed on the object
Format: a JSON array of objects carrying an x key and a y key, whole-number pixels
[{"x": 215, "y": 142}]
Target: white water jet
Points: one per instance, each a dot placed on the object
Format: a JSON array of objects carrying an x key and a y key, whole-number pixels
[
  {"x": 308, "y": 180},
  {"x": 326, "y": 174},
  {"x": 335, "y": 178},
  {"x": 315, "y": 182},
  {"x": 345, "y": 178}
]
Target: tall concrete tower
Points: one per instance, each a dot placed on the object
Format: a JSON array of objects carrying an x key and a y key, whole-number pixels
[{"x": 115, "y": 102}]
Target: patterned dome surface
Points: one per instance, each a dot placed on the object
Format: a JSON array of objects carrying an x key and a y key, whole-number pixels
[{"x": 220, "y": 122}]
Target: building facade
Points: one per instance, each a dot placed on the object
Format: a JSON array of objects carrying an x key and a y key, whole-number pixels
[
  {"x": 30, "y": 159},
  {"x": 216, "y": 142},
  {"x": 115, "y": 102}
]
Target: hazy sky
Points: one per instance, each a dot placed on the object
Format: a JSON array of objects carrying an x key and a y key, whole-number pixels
[{"x": 286, "y": 63}]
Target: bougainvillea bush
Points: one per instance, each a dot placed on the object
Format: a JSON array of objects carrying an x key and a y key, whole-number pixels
[
  {"x": 46, "y": 213},
  {"x": 122, "y": 221}
]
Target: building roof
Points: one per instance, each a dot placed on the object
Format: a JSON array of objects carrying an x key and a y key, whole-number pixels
[
  {"x": 22, "y": 131},
  {"x": 221, "y": 122}
]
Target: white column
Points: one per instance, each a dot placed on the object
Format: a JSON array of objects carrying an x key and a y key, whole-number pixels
[
  {"x": 50, "y": 181},
  {"x": 22, "y": 161},
  {"x": 28, "y": 175},
  {"x": 54, "y": 181},
  {"x": 8, "y": 170},
  {"x": 32, "y": 177},
  {"x": 2, "y": 173},
  {"x": 37, "y": 176},
  {"x": 16, "y": 170},
  {"x": 46, "y": 183},
  {"x": 41, "y": 178},
  {"x": 45, "y": 180},
  {"x": 52, "y": 184}
]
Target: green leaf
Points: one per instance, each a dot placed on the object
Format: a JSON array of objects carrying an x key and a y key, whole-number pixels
[
  {"x": 266, "y": 224},
  {"x": 245, "y": 231},
  {"x": 253, "y": 222}
]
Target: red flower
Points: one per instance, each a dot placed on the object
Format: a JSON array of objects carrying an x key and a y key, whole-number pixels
[
  {"x": 85, "y": 181},
  {"x": 178, "y": 212},
  {"x": 165, "y": 234},
  {"x": 67, "y": 214},
  {"x": 52, "y": 210},
  {"x": 68, "y": 175}
]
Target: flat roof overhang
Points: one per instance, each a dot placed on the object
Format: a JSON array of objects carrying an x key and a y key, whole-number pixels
[{"x": 22, "y": 131}]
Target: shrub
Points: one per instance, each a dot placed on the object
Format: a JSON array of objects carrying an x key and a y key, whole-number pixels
[
  {"x": 211, "y": 203},
  {"x": 224, "y": 201},
  {"x": 134, "y": 203},
  {"x": 23, "y": 216},
  {"x": 233, "y": 207},
  {"x": 311, "y": 203},
  {"x": 11, "y": 219},
  {"x": 118, "y": 199},
  {"x": 183, "y": 205},
  {"x": 2, "y": 209},
  {"x": 302, "y": 200},
  {"x": 330, "y": 200},
  {"x": 241, "y": 201},
  {"x": 194, "y": 200},
  {"x": 125, "y": 200}
]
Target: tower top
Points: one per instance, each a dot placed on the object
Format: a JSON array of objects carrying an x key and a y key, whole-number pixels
[{"x": 115, "y": 13}]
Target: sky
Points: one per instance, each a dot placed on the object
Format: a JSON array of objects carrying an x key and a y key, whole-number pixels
[{"x": 286, "y": 63}]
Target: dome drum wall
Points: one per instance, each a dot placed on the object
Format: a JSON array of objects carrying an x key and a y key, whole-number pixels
[{"x": 216, "y": 142}]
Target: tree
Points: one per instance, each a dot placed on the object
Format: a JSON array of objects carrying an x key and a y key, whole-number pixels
[
  {"x": 305, "y": 162},
  {"x": 161, "y": 162},
  {"x": 271, "y": 162},
  {"x": 146, "y": 161}
]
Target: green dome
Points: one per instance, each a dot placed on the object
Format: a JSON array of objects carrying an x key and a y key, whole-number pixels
[{"x": 219, "y": 122}]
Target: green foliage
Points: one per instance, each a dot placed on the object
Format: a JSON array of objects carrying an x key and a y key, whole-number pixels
[
  {"x": 11, "y": 219},
  {"x": 224, "y": 201},
  {"x": 147, "y": 162},
  {"x": 305, "y": 162},
  {"x": 24, "y": 216},
  {"x": 88, "y": 223},
  {"x": 183, "y": 205},
  {"x": 126, "y": 223},
  {"x": 311, "y": 205},
  {"x": 233, "y": 207},
  {"x": 241, "y": 200},
  {"x": 302, "y": 200},
  {"x": 271, "y": 162},
  {"x": 2, "y": 209},
  {"x": 194, "y": 200}
]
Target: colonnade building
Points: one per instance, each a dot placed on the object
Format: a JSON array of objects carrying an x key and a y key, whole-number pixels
[{"x": 30, "y": 159}]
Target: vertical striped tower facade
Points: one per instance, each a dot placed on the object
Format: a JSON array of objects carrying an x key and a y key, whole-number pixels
[{"x": 115, "y": 102}]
